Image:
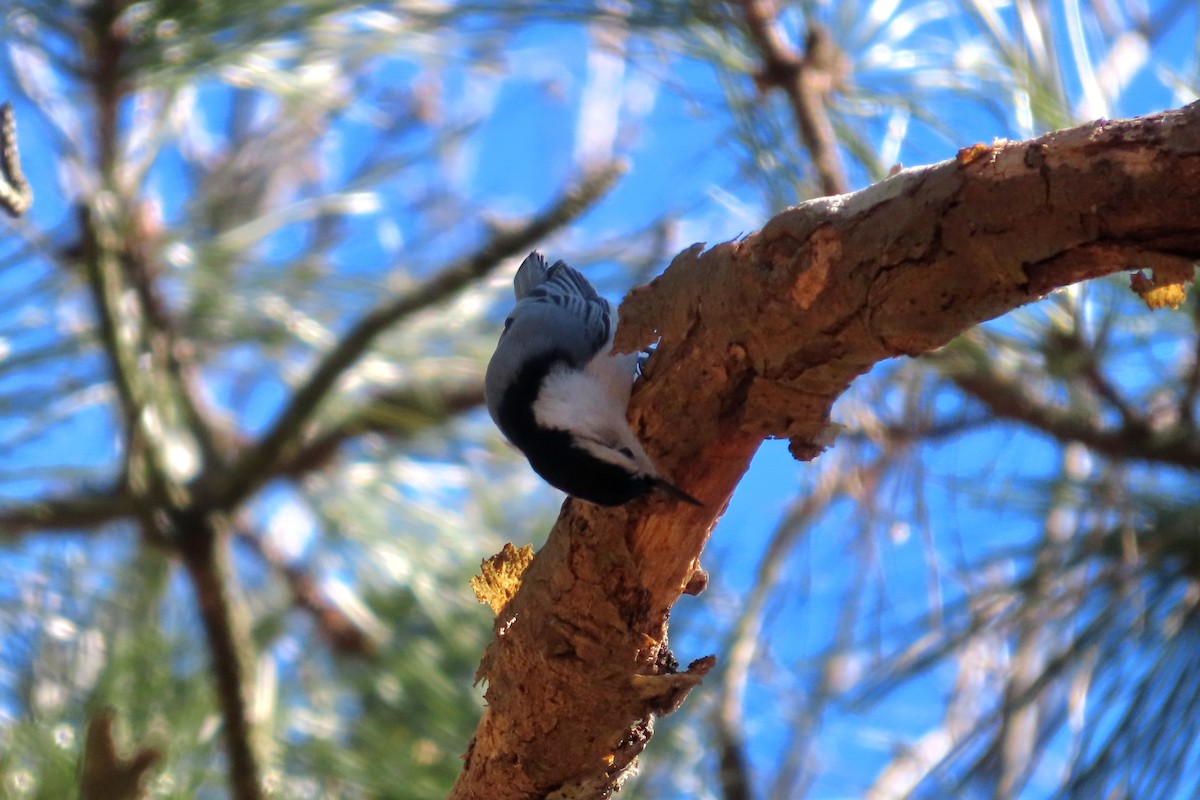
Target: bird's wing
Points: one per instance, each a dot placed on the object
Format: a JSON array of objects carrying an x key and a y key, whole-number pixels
[
  {"x": 562, "y": 301},
  {"x": 532, "y": 273}
]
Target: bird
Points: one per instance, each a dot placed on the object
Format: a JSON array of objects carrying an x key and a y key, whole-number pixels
[{"x": 559, "y": 395}]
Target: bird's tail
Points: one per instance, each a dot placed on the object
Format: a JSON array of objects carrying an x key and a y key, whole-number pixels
[{"x": 532, "y": 273}]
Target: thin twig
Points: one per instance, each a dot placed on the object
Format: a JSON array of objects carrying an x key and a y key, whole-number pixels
[
  {"x": 796, "y": 773},
  {"x": 1102, "y": 386},
  {"x": 16, "y": 195},
  {"x": 894, "y": 434},
  {"x": 343, "y": 634},
  {"x": 1086, "y": 358},
  {"x": 261, "y": 459},
  {"x": 397, "y": 415},
  {"x": 96, "y": 252},
  {"x": 807, "y": 80}
]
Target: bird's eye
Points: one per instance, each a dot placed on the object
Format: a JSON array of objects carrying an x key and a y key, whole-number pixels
[
  {"x": 507, "y": 325},
  {"x": 625, "y": 451}
]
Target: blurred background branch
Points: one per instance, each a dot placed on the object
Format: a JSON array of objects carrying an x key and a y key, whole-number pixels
[
  {"x": 16, "y": 195},
  {"x": 806, "y": 79},
  {"x": 105, "y": 775}
]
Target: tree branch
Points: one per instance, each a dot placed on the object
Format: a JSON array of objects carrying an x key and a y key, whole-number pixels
[
  {"x": 399, "y": 414},
  {"x": 395, "y": 414},
  {"x": 344, "y": 636},
  {"x": 172, "y": 355},
  {"x": 68, "y": 514},
  {"x": 758, "y": 338},
  {"x": 1009, "y": 399},
  {"x": 261, "y": 459},
  {"x": 202, "y": 547},
  {"x": 807, "y": 80}
]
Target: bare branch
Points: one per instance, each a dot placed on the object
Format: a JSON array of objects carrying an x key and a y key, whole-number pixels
[
  {"x": 1009, "y": 399},
  {"x": 758, "y": 338},
  {"x": 394, "y": 414},
  {"x": 172, "y": 354},
  {"x": 343, "y": 634},
  {"x": 138, "y": 388},
  {"x": 202, "y": 545},
  {"x": 68, "y": 514},
  {"x": 807, "y": 80},
  {"x": 398, "y": 415},
  {"x": 98, "y": 250},
  {"x": 260, "y": 460}
]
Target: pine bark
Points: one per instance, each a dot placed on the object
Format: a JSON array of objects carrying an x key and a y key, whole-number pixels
[{"x": 759, "y": 337}]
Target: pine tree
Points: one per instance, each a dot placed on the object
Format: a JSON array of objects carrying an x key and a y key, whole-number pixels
[{"x": 247, "y": 480}]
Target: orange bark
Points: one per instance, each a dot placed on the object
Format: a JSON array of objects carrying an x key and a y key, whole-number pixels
[{"x": 758, "y": 338}]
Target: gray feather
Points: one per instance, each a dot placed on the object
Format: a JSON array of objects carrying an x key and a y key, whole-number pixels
[
  {"x": 532, "y": 273},
  {"x": 538, "y": 287},
  {"x": 556, "y": 309}
]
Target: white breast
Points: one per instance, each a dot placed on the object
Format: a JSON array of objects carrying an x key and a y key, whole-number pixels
[{"x": 590, "y": 398}]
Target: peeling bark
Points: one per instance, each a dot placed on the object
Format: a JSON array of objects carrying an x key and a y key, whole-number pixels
[{"x": 758, "y": 338}]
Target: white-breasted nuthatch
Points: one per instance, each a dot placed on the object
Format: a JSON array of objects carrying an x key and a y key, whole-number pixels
[{"x": 557, "y": 392}]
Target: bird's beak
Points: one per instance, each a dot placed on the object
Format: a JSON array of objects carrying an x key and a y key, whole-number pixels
[{"x": 675, "y": 491}]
